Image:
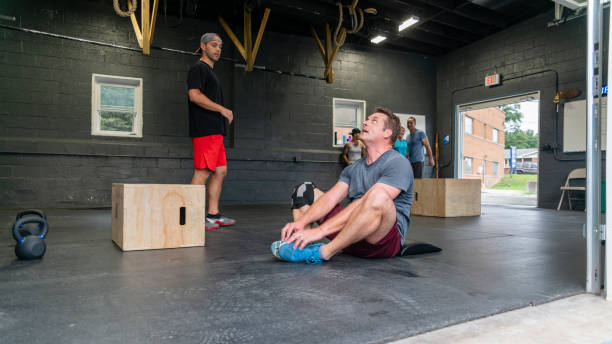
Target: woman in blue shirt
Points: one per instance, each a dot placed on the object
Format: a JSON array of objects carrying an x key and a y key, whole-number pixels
[{"x": 401, "y": 146}]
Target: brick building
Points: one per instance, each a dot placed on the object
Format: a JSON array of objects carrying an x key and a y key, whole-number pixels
[{"x": 483, "y": 145}]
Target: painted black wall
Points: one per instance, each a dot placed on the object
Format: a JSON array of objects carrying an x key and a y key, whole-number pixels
[
  {"x": 282, "y": 130},
  {"x": 530, "y": 56}
]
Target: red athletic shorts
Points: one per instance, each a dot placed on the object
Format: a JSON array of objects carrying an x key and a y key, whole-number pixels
[
  {"x": 208, "y": 152},
  {"x": 387, "y": 247}
]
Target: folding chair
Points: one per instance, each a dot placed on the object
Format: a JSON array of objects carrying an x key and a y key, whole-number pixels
[{"x": 579, "y": 173}]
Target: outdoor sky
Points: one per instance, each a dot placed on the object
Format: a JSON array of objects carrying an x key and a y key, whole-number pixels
[{"x": 530, "y": 115}]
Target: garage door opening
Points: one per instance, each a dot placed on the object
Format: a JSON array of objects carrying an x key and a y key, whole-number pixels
[{"x": 498, "y": 144}]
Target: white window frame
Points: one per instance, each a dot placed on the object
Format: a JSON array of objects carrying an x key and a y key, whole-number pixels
[
  {"x": 495, "y": 135},
  {"x": 465, "y": 159},
  {"x": 98, "y": 80},
  {"x": 359, "y": 104},
  {"x": 495, "y": 168},
  {"x": 471, "y": 121}
]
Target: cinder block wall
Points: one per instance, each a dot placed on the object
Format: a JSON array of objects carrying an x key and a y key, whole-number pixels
[
  {"x": 531, "y": 57},
  {"x": 283, "y": 126}
]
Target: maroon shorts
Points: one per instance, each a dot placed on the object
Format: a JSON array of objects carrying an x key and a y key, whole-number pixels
[
  {"x": 208, "y": 152},
  {"x": 387, "y": 247}
]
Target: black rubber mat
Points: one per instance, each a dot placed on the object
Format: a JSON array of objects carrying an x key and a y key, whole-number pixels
[{"x": 85, "y": 290}]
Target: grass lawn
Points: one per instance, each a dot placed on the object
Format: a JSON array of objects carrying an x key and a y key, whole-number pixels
[{"x": 514, "y": 182}]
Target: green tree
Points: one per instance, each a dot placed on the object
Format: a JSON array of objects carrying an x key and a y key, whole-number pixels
[
  {"x": 515, "y": 137},
  {"x": 521, "y": 139},
  {"x": 514, "y": 116}
]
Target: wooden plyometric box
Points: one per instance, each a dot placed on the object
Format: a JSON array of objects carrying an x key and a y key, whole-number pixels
[
  {"x": 153, "y": 216},
  {"x": 446, "y": 197}
]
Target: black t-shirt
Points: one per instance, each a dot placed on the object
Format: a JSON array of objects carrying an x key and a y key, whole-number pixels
[{"x": 204, "y": 122}]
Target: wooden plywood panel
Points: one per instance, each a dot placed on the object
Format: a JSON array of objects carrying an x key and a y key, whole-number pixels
[
  {"x": 446, "y": 197},
  {"x": 117, "y": 214},
  {"x": 427, "y": 196},
  {"x": 148, "y": 216},
  {"x": 462, "y": 197}
]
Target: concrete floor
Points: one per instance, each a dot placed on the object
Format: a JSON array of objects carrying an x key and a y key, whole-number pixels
[
  {"x": 581, "y": 319},
  {"x": 507, "y": 197},
  {"x": 233, "y": 290}
]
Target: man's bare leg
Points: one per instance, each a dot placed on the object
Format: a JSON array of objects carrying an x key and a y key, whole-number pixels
[
  {"x": 371, "y": 221},
  {"x": 299, "y": 212},
  {"x": 214, "y": 189},
  {"x": 200, "y": 176}
]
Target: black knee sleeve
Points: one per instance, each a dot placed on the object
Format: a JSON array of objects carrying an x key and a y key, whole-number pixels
[{"x": 303, "y": 194}]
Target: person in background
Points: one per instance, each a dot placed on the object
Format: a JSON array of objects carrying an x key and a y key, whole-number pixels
[
  {"x": 208, "y": 119},
  {"x": 401, "y": 146},
  {"x": 354, "y": 149},
  {"x": 416, "y": 141}
]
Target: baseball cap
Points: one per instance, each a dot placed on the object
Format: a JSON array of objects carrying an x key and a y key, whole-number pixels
[{"x": 210, "y": 36}]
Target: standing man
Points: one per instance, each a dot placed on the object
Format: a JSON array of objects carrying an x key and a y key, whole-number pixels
[
  {"x": 208, "y": 120},
  {"x": 374, "y": 224},
  {"x": 416, "y": 140}
]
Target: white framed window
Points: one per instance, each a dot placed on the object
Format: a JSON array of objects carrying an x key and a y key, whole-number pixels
[
  {"x": 495, "y": 135},
  {"x": 494, "y": 168},
  {"x": 116, "y": 106},
  {"x": 468, "y": 125},
  {"x": 348, "y": 114},
  {"x": 467, "y": 166}
]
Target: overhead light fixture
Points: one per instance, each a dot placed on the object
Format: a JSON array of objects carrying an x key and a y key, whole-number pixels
[
  {"x": 378, "y": 39},
  {"x": 409, "y": 22}
]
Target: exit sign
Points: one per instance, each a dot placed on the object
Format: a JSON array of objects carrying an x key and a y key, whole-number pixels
[{"x": 492, "y": 80}]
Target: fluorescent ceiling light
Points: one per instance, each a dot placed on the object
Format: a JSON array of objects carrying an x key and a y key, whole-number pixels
[
  {"x": 409, "y": 22},
  {"x": 378, "y": 39}
]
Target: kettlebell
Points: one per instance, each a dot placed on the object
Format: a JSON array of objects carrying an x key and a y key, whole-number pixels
[
  {"x": 30, "y": 245},
  {"x": 30, "y": 230},
  {"x": 37, "y": 212}
]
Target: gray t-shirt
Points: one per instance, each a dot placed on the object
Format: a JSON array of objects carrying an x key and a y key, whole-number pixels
[
  {"x": 390, "y": 168},
  {"x": 415, "y": 146}
]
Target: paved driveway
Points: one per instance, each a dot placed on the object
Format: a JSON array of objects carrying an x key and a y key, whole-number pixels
[{"x": 508, "y": 197}]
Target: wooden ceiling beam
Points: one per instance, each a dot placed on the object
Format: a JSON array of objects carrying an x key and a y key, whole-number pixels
[
  {"x": 144, "y": 31},
  {"x": 247, "y": 50}
]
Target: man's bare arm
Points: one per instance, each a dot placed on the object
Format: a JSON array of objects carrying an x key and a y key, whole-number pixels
[
  {"x": 363, "y": 149},
  {"x": 344, "y": 154},
  {"x": 325, "y": 203},
  {"x": 429, "y": 153},
  {"x": 204, "y": 102}
]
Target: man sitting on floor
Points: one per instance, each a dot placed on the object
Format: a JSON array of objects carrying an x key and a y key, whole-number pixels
[{"x": 374, "y": 224}]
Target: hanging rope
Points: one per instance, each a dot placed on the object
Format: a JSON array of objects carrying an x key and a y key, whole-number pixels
[
  {"x": 339, "y": 36},
  {"x": 122, "y": 13},
  {"x": 354, "y": 19},
  {"x": 356, "y": 23}
]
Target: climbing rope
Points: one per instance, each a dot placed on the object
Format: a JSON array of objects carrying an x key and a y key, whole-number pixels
[
  {"x": 122, "y": 13},
  {"x": 339, "y": 36},
  {"x": 357, "y": 24}
]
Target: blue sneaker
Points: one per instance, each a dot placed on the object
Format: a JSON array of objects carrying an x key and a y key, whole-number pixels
[
  {"x": 310, "y": 254},
  {"x": 275, "y": 246}
]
